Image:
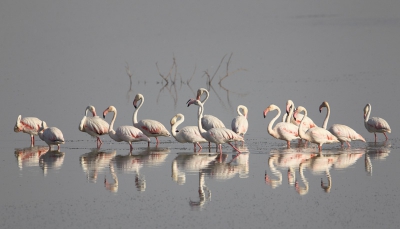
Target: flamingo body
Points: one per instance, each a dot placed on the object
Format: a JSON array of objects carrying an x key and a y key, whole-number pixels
[
  {"x": 282, "y": 130},
  {"x": 29, "y": 125},
  {"x": 375, "y": 124},
  {"x": 52, "y": 136},
  {"x": 240, "y": 123},
  {"x": 127, "y": 134},
  {"x": 208, "y": 121},
  {"x": 151, "y": 128},
  {"x": 188, "y": 134},
  {"x": 307, "y": 123},
  {"x": 94, "y": 126}
]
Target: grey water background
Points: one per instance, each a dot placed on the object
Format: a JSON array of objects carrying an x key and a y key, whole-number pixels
[{"x": 57, "y": 57}]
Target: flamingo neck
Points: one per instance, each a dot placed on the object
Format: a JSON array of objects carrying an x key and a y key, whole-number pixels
[
  {"x": 301, "y": 127},
  {"x": 134, "y": 117},
  {"x": 177, "y": 123},
  {"x": 111, "y": 131},
  {"x": 207, "y": 95},
  {"x": 238, "y": 110},
  {"x": 328, "y": 113},
  {"x": 366, "y": 116},
  {"x": 200, "y": 116},
  {"x": 270, "y": 130}
]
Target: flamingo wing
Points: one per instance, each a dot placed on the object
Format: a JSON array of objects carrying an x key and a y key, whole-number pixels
[
  {"x": 376, "y": 124},
  {"x": 345, "y": 133},
  {"x": 286, "y": 131},
  {"x": 209, "y": 122},
  {"x": 53, "y": 135},
  {"x": 130, "y": 134},
  {"x": 223, "y": 135},
  {"x": 319, "y": 135},
  {"x": 152, "y": 128},
  {"x": 191, "y": 134},
  {"x": 240, "y": 125}
]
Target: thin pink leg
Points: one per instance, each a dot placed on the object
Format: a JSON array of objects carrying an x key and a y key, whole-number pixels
[
  {"x": 375, "y": 136},
  {"x": 385, "y": 136}
]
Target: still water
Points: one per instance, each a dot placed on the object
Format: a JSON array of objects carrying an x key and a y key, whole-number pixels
[{"x": 58, "y": 58}]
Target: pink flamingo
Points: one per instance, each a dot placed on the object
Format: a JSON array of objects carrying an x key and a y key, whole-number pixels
[
  {"x": 308, "y": 123},
  {"x": 342, "y": 132},
  {"x": 151, "y": 128},
  {"x": 240, "y": 124},
  {"x": 216, "y": 135},
  {"x": 316, "y": 134},
  {"x": 29, "y": 125},
  {"x": 51, "y": 135},
  {"x": 94, "y": 126},
  {"x": 127, "y": 134},
  {"x": 186, "y": 134},
  {"x": 375, "y": 124},
  {"x": 282, "y": 130}
]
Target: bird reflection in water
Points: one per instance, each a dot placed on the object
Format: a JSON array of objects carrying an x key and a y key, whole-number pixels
[
  {"x": 376, "y": 151},
  {"x": 94, "y": 162},
  {"x": 204, "y": 195},
  {"x": 29, "y": 156},
  {"x": 132, "y": 163},
  {"x": 52, "y": 160}
]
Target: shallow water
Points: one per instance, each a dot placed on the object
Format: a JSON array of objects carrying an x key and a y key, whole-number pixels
[{"x": 58, "y": 58}]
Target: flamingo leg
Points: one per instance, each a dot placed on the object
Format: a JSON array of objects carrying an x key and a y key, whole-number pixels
[
  {"x": 199, "y": 145},
  {"x": 157, "y": 141},
  {"x": 385, "y": 136},
  {"x": 234, "y": 147},
  {"x": 348, "y": 144},
  {"x": 319, "y": 148},
  {"x": 288, "y": 144},
  {"x": 131, "y": 147},
  {"x": 375, "y": 136}
]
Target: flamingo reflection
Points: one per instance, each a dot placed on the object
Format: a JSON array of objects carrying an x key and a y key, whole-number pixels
[
  {"x": 29, "y": 156},
  {"x": 51, "y": 160},
  {"x": 94, "y": 162},
  {"x": 376, "y": 151}
]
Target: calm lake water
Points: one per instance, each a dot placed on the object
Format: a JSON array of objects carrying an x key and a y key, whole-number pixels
[{"x": 58, "y": 58}]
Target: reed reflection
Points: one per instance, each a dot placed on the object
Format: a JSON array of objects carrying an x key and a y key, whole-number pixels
[
  {"x": 376, "y": 151},
  {"x": 51, "y": 160},
  {"x": 95, "y": 162},
  {"x": 29, "y": 156}
]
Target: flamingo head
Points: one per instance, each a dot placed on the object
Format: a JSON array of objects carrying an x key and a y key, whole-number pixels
[
  {"x": 298, "y": 110},
  {"x": 91, "y": 109},
  {"x": 269, "y": 108},
  {"x": 43, "y": 126},
  {"x": 18, "y": 126},
  {"x": 323, "y": 104},
  {"x": 200, "y": 92},
  {"x": 173, "y": 120},
  {"x": 137, "y": 98},
  {"x": 289, "y": 105},
  {"x": 109, "y": 109},
  {"x": 193, "y": 101},
  {"x": 366, "y": 109}
]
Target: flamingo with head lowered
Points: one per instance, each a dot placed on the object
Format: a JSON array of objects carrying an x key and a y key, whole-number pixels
[
  {"x": 375, "y": 124},
  {"x": 342, "y": 132},
  {"x": 216, "y": 135},
  {"x": 94, "y": 126},
  {"x": 151, "y": 128},
  {"x": 51, "y": 135},
  {"x": 188, "y": 134},
  {"x": 29, "y": 125},
  {"x": 127, "y": 134}
]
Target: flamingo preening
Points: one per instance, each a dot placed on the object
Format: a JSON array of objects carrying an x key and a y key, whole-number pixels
[
  {"x": 216, "y": 135},
  {"x": 51, "y": 135},
  {"x": 29, "y": 125},
  {"x": 316, "y": 134},
  {"x": 282, "y": 130},
  {"x": 127, "y": 134},
  {"x": 240, "y": 124},
  {"x": 342, "y": 132},
  {"x": 151, "y": 128},
  {"x": 188, "y": 134},
  {"x": 375, "y": 124},
  {"x": 94, "y": 126}
]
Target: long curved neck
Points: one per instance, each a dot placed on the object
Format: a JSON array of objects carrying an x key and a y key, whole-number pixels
[
  {"x": 200, "y": 116},
  {"x": 328, "y": 113},
  {"x": 238, "y": 111},
  {"x": 177, "y": 123},
  {"x": 270, "y": 130},
  {"x": 134, "y": 117},
  {"x": 207, "y": 95},
  {"x": 290, "y": 115},
  {"x": 111, "y": 131},
  {"x": 368, "y": 113},
  {"x": 301, "y": 127}
]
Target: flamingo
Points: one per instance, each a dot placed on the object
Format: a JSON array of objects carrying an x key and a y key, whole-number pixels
[
  {"x": 282, "y": 130},
  {"x": 127, "y": 134},
  {"x": 186, "y": 134},
  {"x": 94, "y": 126},
  {"x": 29, "y": 125},
  {"x": 51, "y": 135},
  {"x": 208, "y": 121},
  {"x": 375, "y": 124},
  {"x": 308, "y": 123},
  {"x": 342, "y": 132},
  {"x": 316, "y": 134},
  {"x": 151, "y": 128},
  {"x": 216, "y": 135},
  {"x": 240, "y": 124}
]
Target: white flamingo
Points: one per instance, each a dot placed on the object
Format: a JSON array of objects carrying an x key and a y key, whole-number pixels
[
  {"x": 94, "y": 126},
  {"x": 240, "y": 123},
  {"x": 188, "y": 134},
  {"x": 29, "y": 125},
  {"x": 342, "y": 132},
  {"x": 51, "y": 135},
  {"x": 127, "y": 134},
  {"x": 282, "y": 130},
  {"x": 216, "y": 135},
  {"x": 308, "y": 123},
  {"x": 375, "y": 124},
  {"x": 316, "y": 134},
  {"x": 208, "y": 121},
  {"x": 151, "y": 128}
]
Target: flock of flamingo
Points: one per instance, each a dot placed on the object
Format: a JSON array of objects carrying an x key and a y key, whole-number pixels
[{"x": 294, "y": 125}]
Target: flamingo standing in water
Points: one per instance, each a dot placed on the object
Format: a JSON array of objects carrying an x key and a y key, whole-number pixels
[
  {"x": 151, "y": 128},
  {"x": 94, "y": 126},
  {"x": 51, "y": 135},
  {"x": 375, "y": 124},
  {"x": 282, "y": 130},
  {"x": 240, "y": 124},
  {"x": 308, "y": 123},
  {"x": 29, "y": 125},
  {"x": 342, "y": 132},
  {"x": 208, "y": 121},
  {"x": 127, "y": 134},
  {"x": 316, "y": 134},
  {"x": 216, "y": 135},
  {"x": 187, "y": 134}
]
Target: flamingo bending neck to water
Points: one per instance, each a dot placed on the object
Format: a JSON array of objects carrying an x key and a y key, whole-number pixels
[
  {"x": 94, "y": 126},
  {"x": 151, "y": 128},
  {"x": 51, "y": 135},
  {"x": 189, "y": 134},
  {"x": 342, "y": 132},
  {"x": 29, "y": 125},
  {"x": 282, "y": 130},
  {"x": 127, "y": 134},
  {"x": 375, "y": 124},
  {"x": 216, "y": 135}
]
